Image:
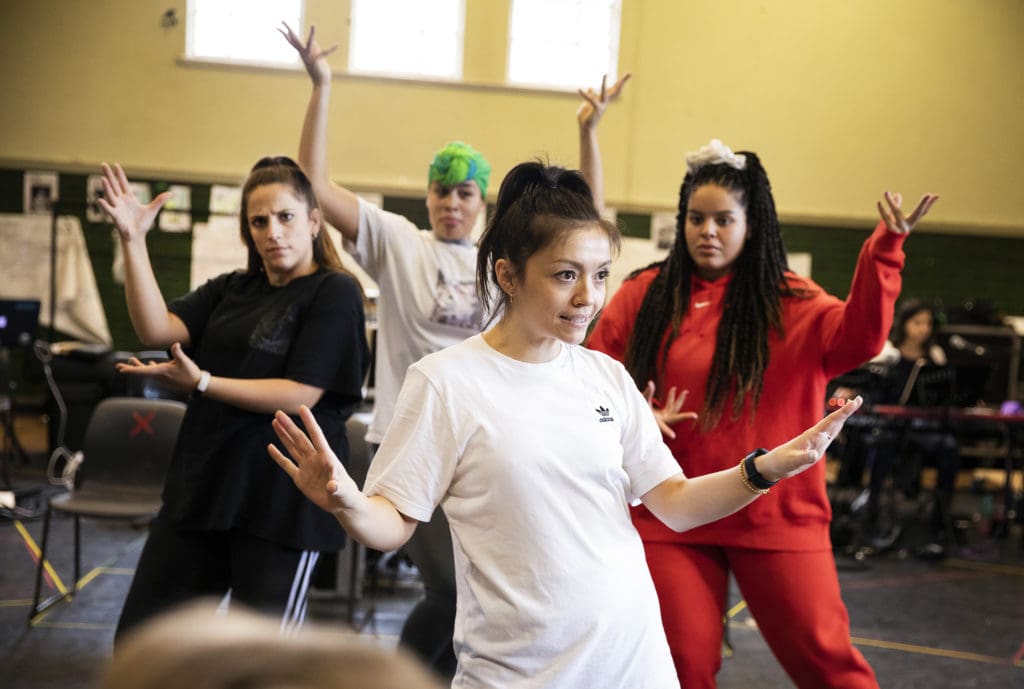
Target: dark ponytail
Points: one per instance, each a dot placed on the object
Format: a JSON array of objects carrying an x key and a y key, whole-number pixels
[{"x": 536, "y": 205}]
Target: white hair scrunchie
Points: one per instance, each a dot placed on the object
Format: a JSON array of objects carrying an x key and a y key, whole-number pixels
[{"x": 712, "y": 154}]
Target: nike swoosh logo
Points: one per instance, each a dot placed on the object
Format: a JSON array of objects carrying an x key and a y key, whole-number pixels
[{"x": 700, "y": 304}]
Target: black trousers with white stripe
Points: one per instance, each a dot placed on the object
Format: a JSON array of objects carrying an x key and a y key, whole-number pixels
[{"x": 177, "y": 566}]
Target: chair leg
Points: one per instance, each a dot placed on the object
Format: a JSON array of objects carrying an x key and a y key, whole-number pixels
[
  {"x": 39, "y": 607},
  {"x": 78, "y": 556},
  {"x": 39, "y": 568}
]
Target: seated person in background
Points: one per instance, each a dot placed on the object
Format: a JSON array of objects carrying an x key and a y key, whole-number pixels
[
  {"x": 195, "y": 646},
  {"x": 911, "y": 345},
  {"x": 909, "y": 357}
]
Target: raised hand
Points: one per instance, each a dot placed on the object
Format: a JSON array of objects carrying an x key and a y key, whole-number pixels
[
  {"x": 132, "y": 218},
  {"x": 789, "y": 459},
  {"x": 594, "y": 103},
  {"x": 180, "y": 373},
  {"x": 313, "y": 466},
  {"x": 893, "y": 216},
  {"x": 670, "y": 413},
  {"x": 312, "y": 56}
]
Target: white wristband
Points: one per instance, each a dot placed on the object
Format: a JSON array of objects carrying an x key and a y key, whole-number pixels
[{"x": 204, "y": 382}]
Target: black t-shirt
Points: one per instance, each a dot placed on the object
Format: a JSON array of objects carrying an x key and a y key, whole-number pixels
[{"x": 312, "y": 331}]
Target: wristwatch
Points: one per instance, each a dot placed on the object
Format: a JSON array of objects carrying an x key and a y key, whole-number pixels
[
  {"x": 753, "y": 475},
  {"x": 204, "y": 382}
]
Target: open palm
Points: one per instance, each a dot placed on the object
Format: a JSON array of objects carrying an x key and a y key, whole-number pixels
[{"x": 132, "y": 218}]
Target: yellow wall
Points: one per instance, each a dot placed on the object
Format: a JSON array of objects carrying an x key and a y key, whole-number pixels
[{"x": 842, "y": 99}]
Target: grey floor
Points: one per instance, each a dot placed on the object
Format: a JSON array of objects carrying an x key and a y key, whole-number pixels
[{"x": 958, "y": 622}]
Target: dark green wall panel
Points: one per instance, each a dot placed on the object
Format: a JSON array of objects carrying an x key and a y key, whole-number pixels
[{"x": 950, "y": 268}]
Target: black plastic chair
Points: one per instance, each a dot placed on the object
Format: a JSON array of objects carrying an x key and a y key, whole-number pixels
[{"x": 127, "y": 448}]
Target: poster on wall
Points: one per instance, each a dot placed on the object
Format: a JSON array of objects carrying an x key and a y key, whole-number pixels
[
  {"x": 216, "y": 249},
  {"x": 93, "y": 192},
  {"x": 225, "y": 200},
  {"x": 176, "y": 215},
  {"x": 663, "y": 230},
  {"x": 41, "y": 191}
]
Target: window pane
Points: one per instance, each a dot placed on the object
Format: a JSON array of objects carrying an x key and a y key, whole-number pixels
[
  {"x": 242, "y": 30},
  {"x": 563, "y": 43},
  {"x": 427, "y": 41}
]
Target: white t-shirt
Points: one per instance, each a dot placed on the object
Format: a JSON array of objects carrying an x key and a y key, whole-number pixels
[
  {"x": 427, "y": 298},
  {"x": 535, "y": 466}
]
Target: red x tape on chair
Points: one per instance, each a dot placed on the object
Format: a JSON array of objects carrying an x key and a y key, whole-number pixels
[{"x": 127, "y": 449}]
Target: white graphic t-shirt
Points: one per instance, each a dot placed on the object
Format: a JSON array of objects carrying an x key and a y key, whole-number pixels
[{"x": 427, "y": 298}]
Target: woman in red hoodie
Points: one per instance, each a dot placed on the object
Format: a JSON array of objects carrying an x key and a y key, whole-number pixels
[{"x": 724, "y": 319}]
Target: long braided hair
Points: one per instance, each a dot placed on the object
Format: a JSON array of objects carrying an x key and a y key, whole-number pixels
[{"x": 752, "y": 306}]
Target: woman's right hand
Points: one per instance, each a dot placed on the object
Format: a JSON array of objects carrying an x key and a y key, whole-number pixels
[
  {"x": 313, "y": 466},
  {"x": 892, "y": 213},
  {"x": 132, "y": 218},
  {"x": 313, "y": 58}
]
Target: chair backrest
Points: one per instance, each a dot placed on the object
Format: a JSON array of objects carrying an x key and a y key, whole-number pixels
[{"x": 129, "y": 443}]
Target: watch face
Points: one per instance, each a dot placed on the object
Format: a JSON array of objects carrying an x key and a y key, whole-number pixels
[{"x": 753, "y": 474}]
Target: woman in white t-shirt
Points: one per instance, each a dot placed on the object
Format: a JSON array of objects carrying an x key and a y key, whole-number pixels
[{"x": 534, "y": 447}]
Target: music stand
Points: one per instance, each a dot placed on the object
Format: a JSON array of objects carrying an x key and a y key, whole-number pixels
[{"x": 19, "y": 319}]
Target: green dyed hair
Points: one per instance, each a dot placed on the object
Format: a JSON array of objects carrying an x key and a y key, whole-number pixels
[{"x": 457, "y": 163}]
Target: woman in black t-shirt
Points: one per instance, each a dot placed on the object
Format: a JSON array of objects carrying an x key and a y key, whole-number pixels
[{"x": 255, "y": 340}]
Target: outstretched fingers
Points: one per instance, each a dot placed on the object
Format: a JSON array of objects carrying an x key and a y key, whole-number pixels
[
  {"x": 828, "y": 428},
  {"x": 923, "y": 206},
  {"x": 290, "y": 36},
  {"x": 589, "y": 96},
  {"x": 313, "y": 430},
  {"x": 892, "y": 213},
  {"x": 616, "y": 88},
  {"x": 283, "y": 461},
  {"x": 292, "y": 437},
  {"x": 121, "y": 179}
]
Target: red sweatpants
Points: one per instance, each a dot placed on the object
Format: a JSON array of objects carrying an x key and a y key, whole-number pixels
[{"x": 794, "y": 597}]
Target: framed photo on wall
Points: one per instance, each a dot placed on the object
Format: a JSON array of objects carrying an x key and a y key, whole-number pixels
[{"x": 41, "y": 191}]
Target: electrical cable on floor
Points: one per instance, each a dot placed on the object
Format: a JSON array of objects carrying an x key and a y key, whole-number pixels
[{"x": 71, "y": 460}]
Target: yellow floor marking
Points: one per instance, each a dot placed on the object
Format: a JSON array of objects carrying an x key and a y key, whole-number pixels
[
  {"x": 986, "y": 567},
  {"x": 74, "y": 625},
  {"x": 736, "y": 609},
  {"x": 898, "y": 646},
  {"x": 927, "y": 650},
  {"x": 30, "y": 542}
]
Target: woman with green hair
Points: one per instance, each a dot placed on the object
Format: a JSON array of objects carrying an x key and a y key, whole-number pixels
[{"x": 427, "y": 302}]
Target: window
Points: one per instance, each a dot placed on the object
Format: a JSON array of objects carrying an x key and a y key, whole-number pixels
[
  {"x": 242, "y": 30},
  {"x": 563, "y": 43},
  {"x": 407, "y": 38}
]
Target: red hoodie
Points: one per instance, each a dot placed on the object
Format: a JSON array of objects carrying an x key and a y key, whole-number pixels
[{"x": 824, "y": 337}]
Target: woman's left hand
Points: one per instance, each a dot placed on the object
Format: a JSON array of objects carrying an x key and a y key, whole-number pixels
[
  {"x": 803, "y": 451},
  {"x": 180, "y": 373},
  {"x": 893, "y": 214},
  {"x": 313, "y": 57},
  {"x": 671, "y": 412}
]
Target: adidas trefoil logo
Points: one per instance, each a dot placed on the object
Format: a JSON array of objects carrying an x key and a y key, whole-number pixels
[{"x": 605, "y": 415}]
